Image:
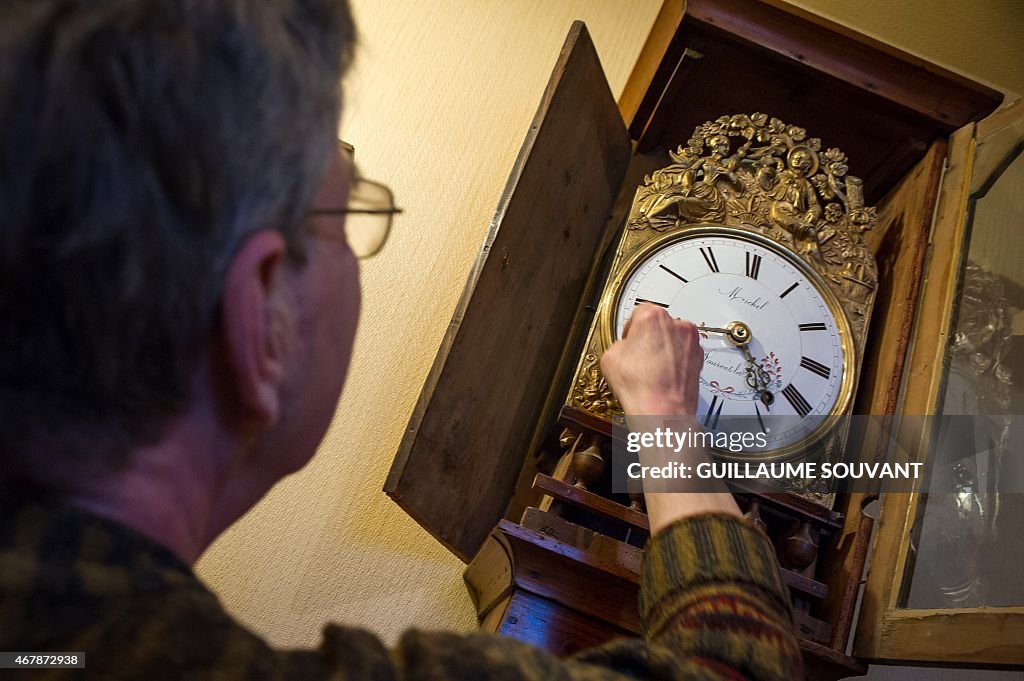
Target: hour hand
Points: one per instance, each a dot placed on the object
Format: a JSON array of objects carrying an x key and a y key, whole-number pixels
[{"x": 757, "y": 378}]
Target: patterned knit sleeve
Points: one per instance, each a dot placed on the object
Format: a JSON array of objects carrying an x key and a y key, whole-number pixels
[
  {"x": 712, "y": 593},
  {"x": 713, "y": 605}
]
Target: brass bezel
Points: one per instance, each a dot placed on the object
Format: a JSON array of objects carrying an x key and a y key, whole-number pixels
[{"x": 613, "y": 293}]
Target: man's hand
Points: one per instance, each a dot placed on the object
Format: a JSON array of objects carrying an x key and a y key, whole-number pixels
[{"x": 653, "y": 370}]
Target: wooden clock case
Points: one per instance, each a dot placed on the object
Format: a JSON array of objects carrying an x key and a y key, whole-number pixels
[{"x": 488, "y": 418}]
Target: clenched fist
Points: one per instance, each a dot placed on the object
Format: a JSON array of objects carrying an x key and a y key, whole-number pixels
[{"x": 654, "y": 369}]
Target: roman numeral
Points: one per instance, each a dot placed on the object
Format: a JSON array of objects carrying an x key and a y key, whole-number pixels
[
  {"x": 796, "y": 400},
  {"x": 815, "y": 367},
  {"x": 753, "y": 265},
  {"x": 673, "y": 274},
  {"x": 709, "y": 258},
  {"x": 760, "y": 421},
  {"x": 652, "y": 302},
  {"x": 817, "y": 326},
  {"x": 789, "y": 290},
  {"x": 711, "y": 420}
]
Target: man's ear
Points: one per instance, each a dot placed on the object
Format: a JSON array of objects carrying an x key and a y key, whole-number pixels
[{"x": 252, "y": 344}]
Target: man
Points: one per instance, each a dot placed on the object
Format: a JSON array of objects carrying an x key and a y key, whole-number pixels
[{"x": 179, "y": 296}]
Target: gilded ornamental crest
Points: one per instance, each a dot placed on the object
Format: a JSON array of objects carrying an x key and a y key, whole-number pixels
[
  {"x": 758, "y": 174},
  {"x": 761, "y": 174}
]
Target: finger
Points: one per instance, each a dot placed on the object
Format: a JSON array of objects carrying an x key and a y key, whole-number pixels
[
  {"x": 642, "y": 314},
  {"x": 687, "y": 330},
  {"x": 653, "y": 315}
]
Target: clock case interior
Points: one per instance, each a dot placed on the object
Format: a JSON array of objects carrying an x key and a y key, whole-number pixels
[{"x": 489, "y": 418}]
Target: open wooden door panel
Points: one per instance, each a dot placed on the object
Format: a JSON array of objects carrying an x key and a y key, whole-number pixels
[
  {"x": 944, "y": 581},
  {"x": 468, "y": 437}
]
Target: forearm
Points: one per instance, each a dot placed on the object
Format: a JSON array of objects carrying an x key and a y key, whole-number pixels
[
  {"x": 712, "y": 595},
  {"x": 663, "y": 509},
  {"x": 683, "y": 498},
  {"x": 711, "y": 586},
  {"x": 687, "y": 498},
  {"x": 713, "y": 607}
]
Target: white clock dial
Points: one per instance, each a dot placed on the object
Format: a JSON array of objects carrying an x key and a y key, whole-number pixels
[{"x": 797, "y": 344}]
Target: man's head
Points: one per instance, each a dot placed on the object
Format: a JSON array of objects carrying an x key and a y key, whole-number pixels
[{"x": 158, "y": 159}]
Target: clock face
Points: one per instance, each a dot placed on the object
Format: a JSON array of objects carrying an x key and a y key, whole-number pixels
[{"x": 789, "y": 377}]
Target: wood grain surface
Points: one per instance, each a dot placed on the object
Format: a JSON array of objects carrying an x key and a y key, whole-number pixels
[{"x": 467, "y": 438}]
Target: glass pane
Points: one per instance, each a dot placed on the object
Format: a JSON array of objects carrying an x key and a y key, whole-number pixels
[{"x": 966, "y": 549}]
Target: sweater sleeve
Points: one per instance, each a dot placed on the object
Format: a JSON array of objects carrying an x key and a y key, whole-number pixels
[
  {"x": 713, "y": 606},
  {"x": 711, "y": 592}
]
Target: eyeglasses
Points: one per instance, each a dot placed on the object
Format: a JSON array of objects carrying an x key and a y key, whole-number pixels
[{"x": 369, "y": 214}]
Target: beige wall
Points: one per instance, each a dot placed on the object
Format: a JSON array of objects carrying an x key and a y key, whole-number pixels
[
  {"x": 978, "y": 38},
  {"x": 439, "y": 103},
  {"x": 441, "y": 98}
]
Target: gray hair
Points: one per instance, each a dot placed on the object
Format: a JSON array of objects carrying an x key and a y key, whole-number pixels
[{"x": 141, "y": 141}]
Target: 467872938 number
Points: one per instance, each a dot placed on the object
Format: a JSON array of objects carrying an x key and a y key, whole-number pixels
[{"x": 24, "y": 660}]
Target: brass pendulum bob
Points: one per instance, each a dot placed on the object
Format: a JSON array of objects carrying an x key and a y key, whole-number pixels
[
  {"x": 800, "y": 549},
  {"x": 753, "y": 517},
  {"x": 588, "y": 465}
]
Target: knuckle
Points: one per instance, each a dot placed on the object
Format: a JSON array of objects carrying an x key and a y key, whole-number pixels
[
  {"x": 647, "y": 313},
  {"x": 688, "y": 330},
  {"x": 687, "y": 326}
]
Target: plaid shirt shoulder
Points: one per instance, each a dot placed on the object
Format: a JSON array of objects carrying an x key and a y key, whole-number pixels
[{"x": 712, "y": 601}]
